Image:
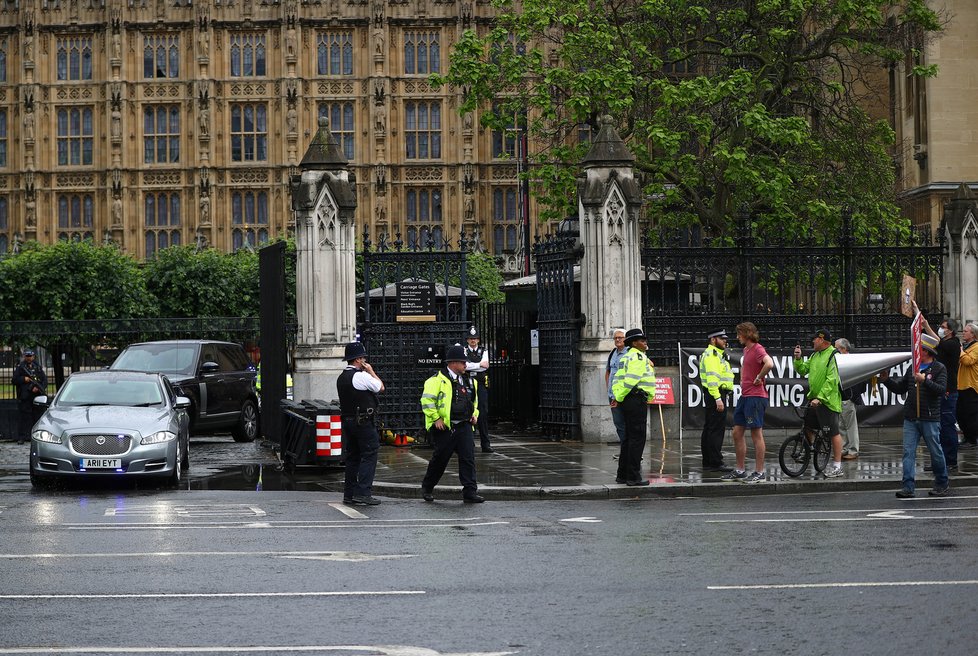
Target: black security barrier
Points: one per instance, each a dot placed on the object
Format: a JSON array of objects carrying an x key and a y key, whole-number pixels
[{"x": 311, "y": 433}]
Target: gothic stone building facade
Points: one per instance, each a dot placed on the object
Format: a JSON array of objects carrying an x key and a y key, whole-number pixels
[{"x": 154, "y": 122}]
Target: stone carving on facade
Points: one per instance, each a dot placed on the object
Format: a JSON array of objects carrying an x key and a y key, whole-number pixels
[
  {"x": 466, "y": 13},
  {"x": 379, "y": 43},
  {"x": 468, "y": 208},
  {"x": 291, "y": 42},
  {"x": 381, "y": 211},
  {"x": 29, "y": 125},
  {"x": 380, "y": 92},
  {"x": 29, "y": 37},
  {"x": 204, "y": 121},
  {"x": 116, "y": 41},
  {"x": 468, "y": 178},
  {"x": 116, "y": 124},
  {"x": 380, "y": 119},
  {"x": 378, "y": 12},
  {"x": 292, "y": 121},
  {"x": 380, "y": 179},
  {"x": 203, "y": 37}
]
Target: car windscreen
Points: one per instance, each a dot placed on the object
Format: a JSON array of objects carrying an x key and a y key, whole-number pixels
[
  {"x": 110, "y": 392},
  {"x": 159, "y": 358}
]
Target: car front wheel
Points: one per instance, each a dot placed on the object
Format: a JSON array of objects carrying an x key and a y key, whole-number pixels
[{"x": 246, "y": 430}]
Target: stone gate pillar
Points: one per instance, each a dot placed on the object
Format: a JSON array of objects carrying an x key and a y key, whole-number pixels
[
  {"x": 609, "y": 200},
  {"x": 960, "y": 227},
  {"x": 324, "y": 199}
]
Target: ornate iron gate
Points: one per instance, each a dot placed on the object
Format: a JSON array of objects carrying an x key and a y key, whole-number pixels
[
  {"x": 559, "y": 324},
  {"x": 397, "y": 349},
  {"x": 787, "y": 288}
]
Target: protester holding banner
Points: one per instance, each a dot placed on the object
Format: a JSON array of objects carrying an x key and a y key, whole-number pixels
[
  {"x": 921, "y": 417},
  {"x": 634, "y": 384},
  {"x": 755, "y": 364},
  {"x": 948, "y": 353},
  {"x": 824, "y": 395},
  {"x": 968, "y": 385},
  {"x": 717, "y": 378}
]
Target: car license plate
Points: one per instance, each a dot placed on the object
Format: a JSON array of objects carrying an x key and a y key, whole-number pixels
[{"x": 101, "y": 463}]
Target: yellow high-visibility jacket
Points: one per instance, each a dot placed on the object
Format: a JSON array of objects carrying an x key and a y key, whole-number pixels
[
  {"x": 635, "y": 371},
  {"x": 715, "y": 372},
  {"x": 436, "y": 400}
]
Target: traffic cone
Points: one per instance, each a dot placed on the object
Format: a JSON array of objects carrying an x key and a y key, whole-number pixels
[{"x": 400, "y": 440}]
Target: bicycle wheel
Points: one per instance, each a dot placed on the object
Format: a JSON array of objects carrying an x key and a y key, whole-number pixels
[
  {"x": 823, "y": 449},
  {"x": 794, "y": 455}
]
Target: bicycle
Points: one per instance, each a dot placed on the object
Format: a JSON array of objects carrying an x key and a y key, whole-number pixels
[{"x": 796, "y": 451}]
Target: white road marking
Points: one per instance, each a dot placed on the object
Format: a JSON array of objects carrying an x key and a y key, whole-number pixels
[
  {"x": 270, "y": 525},
  {"x": 891, "y": 514},
  {"x": 187, "y": 510},
  {"x": 379, "y": 650},
  {"x": 583, "y": 520},
  {"x": 846, "y": 584},
  {"x": 216, "y": 595},
  {"x": 823, "y": 512},
  {"x": 942, "y": 512},
  {"x": 346, "y": 510},
  {"x": 349, "y": 556}
]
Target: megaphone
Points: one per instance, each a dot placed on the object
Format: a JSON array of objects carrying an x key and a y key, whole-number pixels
[{"x": 855, "y": 368}]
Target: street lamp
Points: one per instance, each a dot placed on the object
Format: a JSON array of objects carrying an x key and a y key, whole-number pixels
[{"x": 875, "y": 303}]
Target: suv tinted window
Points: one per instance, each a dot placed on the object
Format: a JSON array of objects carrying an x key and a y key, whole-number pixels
[
  {"x": 208, "y": 353},
  {"x": 163, "y": 358},
  {"x": 234, "y": 356}
]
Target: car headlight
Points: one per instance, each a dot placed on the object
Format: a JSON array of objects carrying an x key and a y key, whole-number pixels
[
  {"x": 46, "y": 436},
  {"x": 157, "y": 438}
]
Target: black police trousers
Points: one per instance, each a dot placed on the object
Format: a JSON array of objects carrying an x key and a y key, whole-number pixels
[
  {"x": 636, "y": 412},
  {"x": 447, "y": 442},
  {"x": 714, "y": 426},
  {"x": 361, "y": 444}
]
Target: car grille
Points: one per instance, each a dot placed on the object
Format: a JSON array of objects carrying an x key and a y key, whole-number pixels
[{"x": 100, "y": 445}]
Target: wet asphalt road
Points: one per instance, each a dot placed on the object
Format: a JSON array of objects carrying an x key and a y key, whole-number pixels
[{"x": 244, "y": 571}]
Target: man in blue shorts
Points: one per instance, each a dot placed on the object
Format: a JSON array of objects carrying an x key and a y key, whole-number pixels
[{"x": 749, "y": 413}]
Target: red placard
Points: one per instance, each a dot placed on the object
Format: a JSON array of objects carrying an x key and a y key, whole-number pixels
[
  {"x": 663, "y": 392},
  {"x": 915, "y": 329}
]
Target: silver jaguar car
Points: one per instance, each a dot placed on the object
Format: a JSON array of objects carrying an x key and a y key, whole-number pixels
[{"x": 112, "y": 423}]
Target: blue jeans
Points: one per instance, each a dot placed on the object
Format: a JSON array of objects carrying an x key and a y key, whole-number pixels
[
  {"x": 913, "y": 430},
  {"x": 949, "y": 433},
  {"x": 619, "y": 419}
]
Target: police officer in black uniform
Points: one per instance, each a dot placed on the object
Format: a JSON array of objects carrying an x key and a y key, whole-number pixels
[
  {"x": 358, "y": 386},
  {"x": 477, "y": 366},
  {"x": 30, "y": 380}
]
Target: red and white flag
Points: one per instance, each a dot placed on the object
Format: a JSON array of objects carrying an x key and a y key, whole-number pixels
[{"x": 915, "y": 330}]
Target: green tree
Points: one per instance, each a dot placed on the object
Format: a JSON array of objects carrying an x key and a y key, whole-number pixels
[
  {"x": 207, "y": 283},
  {"x": 725, "y": 103},
  {"x": 74, "y": 281},
  {"x": 483, "y": 277}
]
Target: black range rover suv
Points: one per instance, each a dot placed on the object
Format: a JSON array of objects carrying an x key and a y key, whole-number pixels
[{"x": 217, "y": 377}]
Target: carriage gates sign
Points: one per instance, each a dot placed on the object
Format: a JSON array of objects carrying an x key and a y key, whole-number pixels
[{"x": 786, "y": 390}]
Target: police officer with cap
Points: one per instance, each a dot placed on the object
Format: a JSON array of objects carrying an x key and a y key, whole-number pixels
[
  {"x": 451, "y": 408},
  {"x": 634, "y": 383},
  {"x": 717, "y": 378},
  {"x": 358, "y": 386},
  {"x": 30, "y": 380},
  {"x": 477, "y": 366}
]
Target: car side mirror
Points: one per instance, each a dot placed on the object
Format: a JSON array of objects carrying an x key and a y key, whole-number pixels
[
  {"x": 42, "y": 401},
  {"x": 182, "y": 402},
  {"x": 210, "y": 368}
]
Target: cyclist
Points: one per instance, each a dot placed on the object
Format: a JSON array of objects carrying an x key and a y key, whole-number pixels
[{"x": 824, "y": 395}]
